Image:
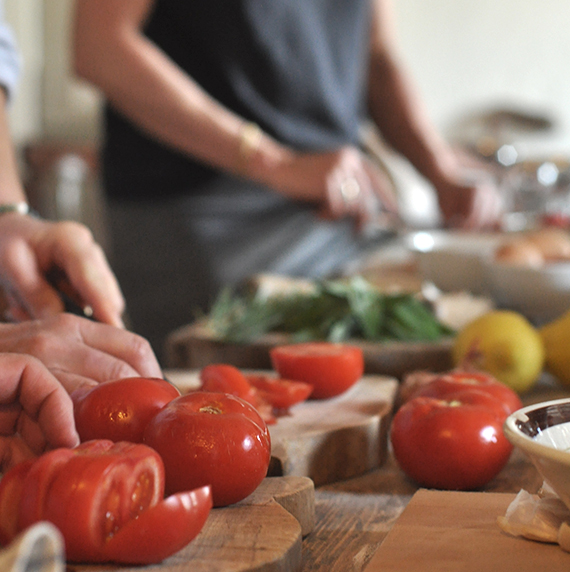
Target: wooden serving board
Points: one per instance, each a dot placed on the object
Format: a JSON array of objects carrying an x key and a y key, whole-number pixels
[
  {"x": 193, "y": 347},
  {"x": 327, "y": 440},
  {"x": 261, "y": 533},
  {"x": 458, "y": 532}
]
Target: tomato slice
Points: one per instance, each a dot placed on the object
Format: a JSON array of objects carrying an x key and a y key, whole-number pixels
[
  {"x": 11, "y": 495},
  {"x": 96, "y": 494},
  {"x": 107, "y": 501},
  {"x": 280, "y": 393},
  {"x": 224, "y": 378},
  {"x": 162, "y": 530},
  {"x": 37, "y": 483},
  {"x": 330, "y": 368}
]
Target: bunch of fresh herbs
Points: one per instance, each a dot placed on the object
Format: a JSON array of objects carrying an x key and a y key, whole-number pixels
[{"x": 334, "y": 310}]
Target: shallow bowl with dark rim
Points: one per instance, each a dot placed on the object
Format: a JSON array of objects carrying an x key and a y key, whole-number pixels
[{"x": 542, "y": 431}]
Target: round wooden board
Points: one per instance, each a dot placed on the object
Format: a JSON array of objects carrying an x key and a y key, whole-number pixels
[
  {"x": 193, "y": 347},
  {"x": 262, "y": 533}
]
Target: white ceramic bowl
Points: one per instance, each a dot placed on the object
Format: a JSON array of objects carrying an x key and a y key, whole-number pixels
[
  {"x": 541, "y": 294},
  {"x": 453, "y": 260},
  {"x": 542, "y": 431}
]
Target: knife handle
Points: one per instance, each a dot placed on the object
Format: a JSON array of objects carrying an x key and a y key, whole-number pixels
[{"x": 72, "y": 303}]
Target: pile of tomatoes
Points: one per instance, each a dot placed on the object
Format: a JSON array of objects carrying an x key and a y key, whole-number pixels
[
  {"x": 448, "y": 434},
  {"x": 141, "y": 440}
]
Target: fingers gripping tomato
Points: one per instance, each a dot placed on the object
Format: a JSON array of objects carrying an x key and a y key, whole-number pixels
[
  {"x": 106, "y": 499},
  {"x": 211, "y": 438},
  {"x": 455, "y": 444},
  {"x": 330, "y": 368},
  {"x": 120, "y": 410}
]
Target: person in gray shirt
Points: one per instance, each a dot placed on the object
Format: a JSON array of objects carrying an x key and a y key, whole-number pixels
[{"x": 232, "y": 142}]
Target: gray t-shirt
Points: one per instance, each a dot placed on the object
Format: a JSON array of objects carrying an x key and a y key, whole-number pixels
[{"x": 298, "y": 68}]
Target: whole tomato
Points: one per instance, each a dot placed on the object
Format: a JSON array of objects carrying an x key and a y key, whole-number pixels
[
  {"x": 455, "y": 444},
  {"x": 120, "y": 410},
  {"x": 216, "y": 439},
  {"x": 442, "y": 385},
  {"x": 330, "y": 368},
  {"x": 106, "y": 499}
]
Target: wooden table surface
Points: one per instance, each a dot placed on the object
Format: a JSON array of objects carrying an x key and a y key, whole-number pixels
[{"x": 354, "y": 516}]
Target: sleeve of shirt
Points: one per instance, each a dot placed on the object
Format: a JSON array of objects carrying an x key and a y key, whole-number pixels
[{"x": 10, "y": 61}]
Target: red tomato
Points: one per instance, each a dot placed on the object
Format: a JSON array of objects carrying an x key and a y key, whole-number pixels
[
  {"x": 223, "y": 378},
  {"x": 107, "y": 500},
  {"x": 456, "y": 445},
  {"x": 216, "y": 439},
  {"x": 280, "y": 393},
  {"x": 330, "y": 368},
  {"x": 11, "y": 489},
  {"x": 444, "y": 384},
  {"x": 120, "y": 410}
]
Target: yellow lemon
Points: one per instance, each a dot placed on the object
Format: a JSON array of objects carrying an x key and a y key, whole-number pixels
[
  {"x": 505, "y": 344},
  {"x": 556, "y": 339}
]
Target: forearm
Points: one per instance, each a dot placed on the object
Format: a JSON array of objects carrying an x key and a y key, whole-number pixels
[
  {"x": 394, "y": 104},
  {"x": 145, "y": 85},
  {"x": 402, "y": 120}
]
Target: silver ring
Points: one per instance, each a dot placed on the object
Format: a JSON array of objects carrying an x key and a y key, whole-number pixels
[{"x": 350, "y": 190}]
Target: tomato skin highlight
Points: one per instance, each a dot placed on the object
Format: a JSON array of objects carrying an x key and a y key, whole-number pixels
[
  {"x": 120, "y": 410},
  {"x": 330, "y": 368},
  {"x": 452, "y": 445},
  {"x": 211, "y": 438},
  {"x": 99, "y": 479}
]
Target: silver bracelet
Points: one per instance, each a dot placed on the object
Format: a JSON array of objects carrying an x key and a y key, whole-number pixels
[{"x": 20, "y": 208}]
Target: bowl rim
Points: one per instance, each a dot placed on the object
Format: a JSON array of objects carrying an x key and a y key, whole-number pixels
[{"x": 527, "y": 443}]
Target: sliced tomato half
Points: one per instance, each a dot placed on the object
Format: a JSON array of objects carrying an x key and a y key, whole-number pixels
[
  {"x": 330, "y": 368},
  {"x": 280, "y": 393},
  {"x": 224, "y": 378},
  {"x": 107, "y": 500},
  {"x": 11, "y": 489}
]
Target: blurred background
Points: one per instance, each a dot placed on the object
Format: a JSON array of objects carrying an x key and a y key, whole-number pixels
[{"x": 489, "y": 72}]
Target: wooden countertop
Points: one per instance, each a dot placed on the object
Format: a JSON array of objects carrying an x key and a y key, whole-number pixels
[{"x": 354, "y": 516}]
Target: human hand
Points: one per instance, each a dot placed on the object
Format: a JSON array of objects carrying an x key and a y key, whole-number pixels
[
  {"x": 36, "y": 412},
  {"x": 31, "y": 247},
  {"x": 469, "y": 204},
  {"x": 79, "y": 352},
  {"x": 342, "y": 183}
]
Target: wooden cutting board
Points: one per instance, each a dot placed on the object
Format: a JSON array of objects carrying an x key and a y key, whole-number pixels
[
  {"x": 327, "y": 440},
  {"x": 261, "y": 533},
  {"x": 193, "y": 347},
  {"x": 447, "y": 531}
]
